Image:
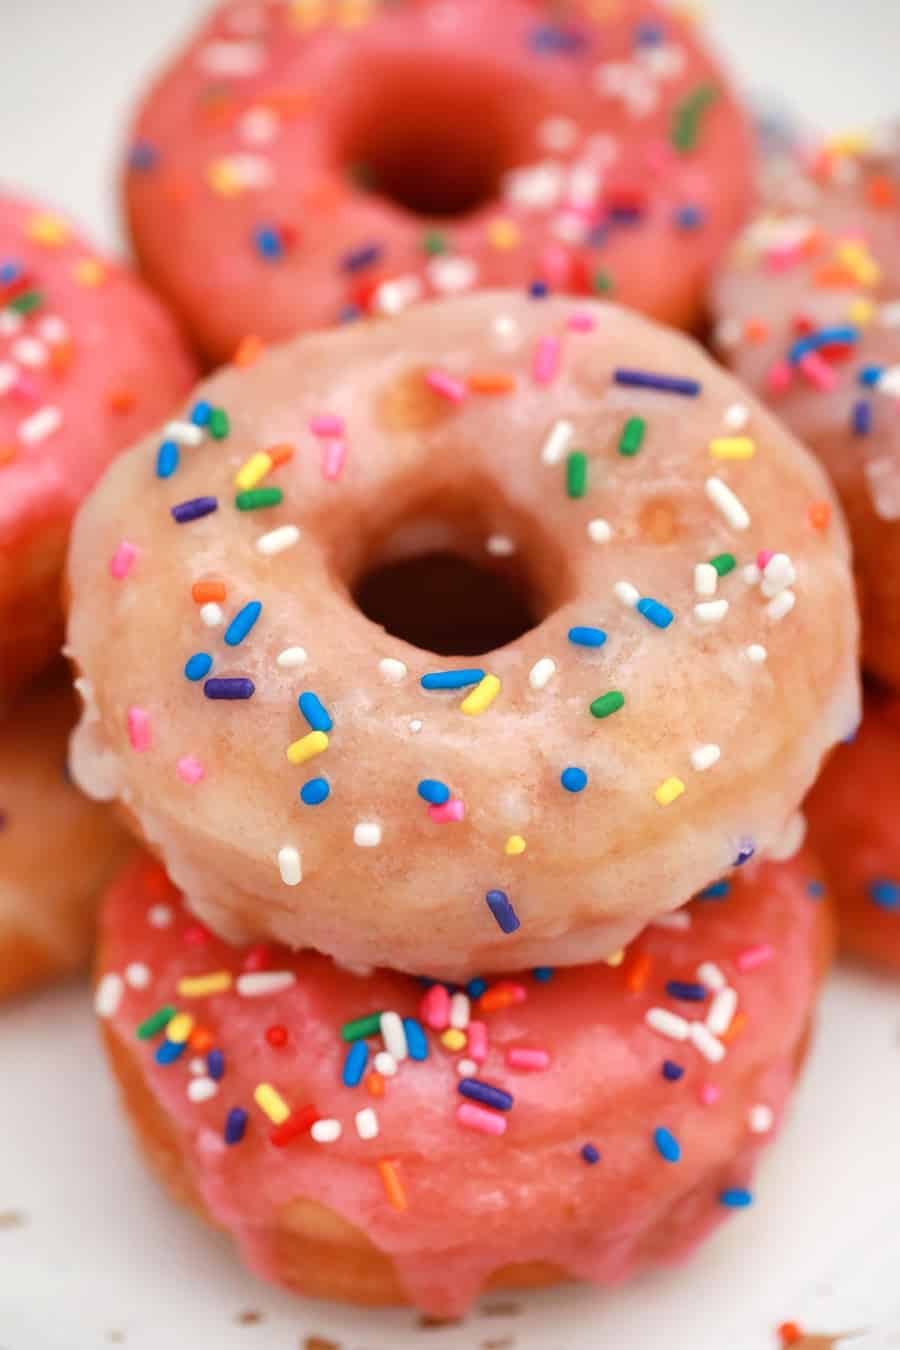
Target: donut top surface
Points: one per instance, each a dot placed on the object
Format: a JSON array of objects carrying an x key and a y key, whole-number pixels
[
  {"x": 598, "y": 1118},
  {"x": 309, "y": 775},
  {"x": 298, "y": 164}
]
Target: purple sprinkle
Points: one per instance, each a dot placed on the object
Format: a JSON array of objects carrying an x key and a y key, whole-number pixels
[
  {"x": 235, "y": 1124},
  {"x": 665, "y": 384},
  {"x": 194, "y": 509},
  {"x": 590, "y": 1154},
  {"x": 485, "y": 1093},
  {"x": 502, "y": 910},
  {"x": 235, "y": 687}
]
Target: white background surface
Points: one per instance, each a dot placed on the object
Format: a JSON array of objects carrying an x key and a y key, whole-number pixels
[{"x": 100, "y": 1256}]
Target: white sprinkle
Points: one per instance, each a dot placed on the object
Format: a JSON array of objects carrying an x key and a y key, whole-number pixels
[
  {"x": 109, "y": 995},
  {"x": 760, "y": 1118},
  {"x": 197, "y": 1066},
  {"x": 259, "y": 126},
  {"x": 782, "y": 605},
  {"x": 558, "y": 133},
  {"x": 393, "y": 1035},
  {"x": 722, "y": 1010},
  {"x": 731, "y": 507},
  {"x": 202, "y": 1089},
  {"x": 211, "y": 614},
  {"x": 705, "y": 756},
  {"x": 10, "y": 322},
  {"x": 259, "y": 983},
  {"x": 704, "y": 1041},
  {"x": 291, "y": 657},
  {"x": 709, "y": 974},
  {"x": 542, "y": 672},
  {"x": 667, "y": 1023},
  {"x": 706, "y": 579},
  {"x": 184, "y": 433},
  {"x": 500, "y": 546},
  {"x": 392, "y": 670},
  {"x": 290, "y": 866},
  {"x": 160, "y": 916},
  {"x": 366, "y": 834},
  {"x": 778, "y": 573},
  {"x": 737, "y": 416},
  {"x": 385, "y": 1064},
  {"x": 599, "y": 531},
  {"x": 366, "y": 1123},
  {"x": 711, "y": 611},
  {"x": 790, "y": 841},
  {"x": 751, "y": 574},
  {"x": 460, "y": 1009},
  {"x": 505, "y": 331},
  {"x": 137, "y": 975},
  {"x": 224, "y": 57},
  {"x": 756, "y": 653},
  {"x": 8, "y": 376},
  {"x": 534, "y": 187},
  {"x": 326, "y": 1131},
  {"x": 466, "y": 1068},
  {"x": 29, "y": 351},
  {"x": 40, "y": 425},
  {"x": 889, "y": 314},
  {"x": 277, "y": 540},
  {"x": 394, "y": 296},
  {"x": 889, "y": 382},
  {"x": 452, "y": 275},
  {"x": 416, "y": 725},
  {"x": 679, "y": 921},
  {"x": 53, "y": 329},
  {"x": 557, "y": 442},
  {"x": 628, "y": 594}
]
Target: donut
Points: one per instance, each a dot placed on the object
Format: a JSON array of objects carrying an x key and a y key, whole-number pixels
[
  {"x": 808, "y": 314},
  {"x": 309, "y": 775},
  {"x": 58, "y": 850},
  {"x": 369, "y": 1139},
  {"x": 89, "y": 360},
  {"x": 298, "y": 165},
  {"x": 853, "y": 815}
]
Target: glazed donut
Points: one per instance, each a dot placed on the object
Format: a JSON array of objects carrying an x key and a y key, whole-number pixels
[
  {"x": 301, "y": 164},
  {"x": 808, "y": 313},
  {"x": 58, "y": 850},
  {"x": 853, "y": 814},
  {"x": 365, "y": 1139},
  {"x": 89, "y": 361},
  {"x": 510, "y": 805}
]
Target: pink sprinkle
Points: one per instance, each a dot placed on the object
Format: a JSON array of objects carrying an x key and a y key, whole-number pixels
[
  {"x": 122, "y": 560},
  {"x": 139, "y": 728},
  {"x": 434, "y": 1009},
  {"x": 334, "y": 454},
  {"x": 818, "y": 371},
  {"x": 754, "y": 956},
  {"x": 477, "y": 1041},
  {"x": 545, "y": 365},
  {"x": 189, "y": 769},
  {"x": 709, "y": 1094},
  {"x": 522, "y": 1058},
  {"x": 446, "y": 385},
  {"x": 477, "y": 1118},
  {"x": 326, "y": 424},
  {"x": 556, "y": 267},
  {"x": 784, "y": 257},
  {"x": 779, "y": 378},
  {"x": 764, "y": 557},
  {"x": 582, "y": 322},
  {"x": 26, "y": 388},
  {"x": 449, "y": 811}
]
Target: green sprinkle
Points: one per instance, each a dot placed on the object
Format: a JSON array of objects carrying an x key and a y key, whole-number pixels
[
  {"x": 255, "y": 498},
  {"x": 687, "y": 116},
  {"x": 632, "y": 437},
  {"x": 723, "y": 563},
  {"x": 576, "y": 473},
  {"x": 219, "y": 425},
  {"x": 27, "y": 302},
  {"x": 433, "y": 243},
  {"x": 602, "y": 283},
  {"x": 155, "y": 1022},
  {"x": 361, "y": 1028},
  {"x": 607, "y": 704}
]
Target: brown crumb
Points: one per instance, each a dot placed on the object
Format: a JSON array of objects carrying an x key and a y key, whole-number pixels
[
  {"x": 116, "y": 1337},
  {"x": 504, "y": 1343},
  {"x": 13, "y": 1218},
  {"x": 250, "y": 1317},
  {"x": 506, "y": 1309},
  {"x": 436, "y": 1323},
  {"x": 319, "y": 1343}
]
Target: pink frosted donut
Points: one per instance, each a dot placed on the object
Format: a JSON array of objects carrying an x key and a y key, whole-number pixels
[
  {"x": 808, "y": 312},
  {"x": 299, "y": 164},
  {"x": 422, "y": 660},
  {"x": 89, "y": 360},
  {"x": 364, "y": 1140},
  {"x": 854, "y": 822}
]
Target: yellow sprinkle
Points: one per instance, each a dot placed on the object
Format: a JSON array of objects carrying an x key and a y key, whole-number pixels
[
  {"x": 253, "y": 471},
  {"x": 223, "y": 178},
  {"x": 860, "y": 262},
  {"x": 453, "y": 1039},
  {"x": 861, "y": 312},
  {"x": 308, "y": 13},
  {"x": 198, "y": 986},
  {"x": 48, "y": 230},
  {"x": 272, "y": 1102},
  {"x": 481, "y": 697},
  {"x": 616, "y": 958},
  {"x": 89, "y": 272},
  {"x": 669, "y": 791},
  {"x": 503, "y": 234},
  {"x": 354, "y": 13},
  {"x": 732, "y": 447},
  {"x": 307, "y": 747},
  {"x": 179, "y": 1028},
  {"x": 848, "y": 143},
  {"x": 514, "y": 845}
]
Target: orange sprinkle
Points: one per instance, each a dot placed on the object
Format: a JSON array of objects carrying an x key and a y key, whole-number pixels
[
  {"x": 200, "y": 1040},
  {"x": 496, "y": 999},
  {"x": 834, "y": 276},
  {"x": 287, "y": 102},
  {"x": 375, "y": 1084},
  {"x": 820, "y": 515},
  {"x": 392, "y": 1185},
  {"x": 756, "y": 330},
  {"x": 7, "y": 454},
  {"x": 637, "y": 972},
  {"x": 738, "y": 1022},
  {"x": 280, "y": 454},
  {"x": 491, "y": 382},
  {"x": 121, "y": 400},
  {"x": 249, "y": 350},
  {"x": 208, "y": 592},
  {"x": 882, "y": 192},
  {"x": 789, "y": 1333},
  {"x": 61, "y": 357}
]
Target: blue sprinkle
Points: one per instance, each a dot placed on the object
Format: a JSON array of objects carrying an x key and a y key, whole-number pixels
[
  {"x": 689, "y": 217},
  {"x": 433, "y": 792},
  {"x": 626, "y": 215},
  {"x": 355, "y": 1062},
  {"x": 666, "y": 384},
  {"x": 499, "y": 905},
  {"x": 475, "y": 988},
  {"x": 543, "y": 974},
  {"x": 349, "y": 313},
  {"x": 657, "y": 613},
  {"x": 228, "y": 688},
  {"x": 242, "y": 622},
  {"x": 268, "y": 242},
  {"x": 590, "y": 1154},
  {"x": 169, "y": 1051},
  {"x": 650, "y": 34},
  {"x": 671, "y": 1070},
  {"x": 198, "y": 666},
  {"x": 362, "y": 257},
  {"x": 452, "y": 679},
  {"x": 315, "y": 792},
  {"x": 416, "y": 1040},
  {"x": 235, "y": 1125},
  {"x": 215, "y": 1065},
  {"x": 573, "y": 779},
  {"x": 485, "y": 1093},
  {"x": 717, "y": 891},
  {"x": 686, "y": 991},
  {"x": 9, "y": 271},
  {"x": 667, "y": 1145},
  {"x": 870, "y": 375},
  {"x": 815, "y": 890},
  {"x": 884, "y": 893},
  {"x": 143, "y": 156},
  {"x": 554, "y": 40},
  {"x": 201, "y": 413},
  {"x": 194, "y": 509},
  {"x": 167, "y": 459},
  {"x": 862, "y": 417},
  {"x": 587, "y": 637},
  {"x": 539, "y": 290},
  {"x": 745, "y": 852},
  {"x": 314, "y": 711},
  {"x": 597, "y": 235},
  {"x": 824, "y": 337},
  {"x": 735, "y": 1198}
]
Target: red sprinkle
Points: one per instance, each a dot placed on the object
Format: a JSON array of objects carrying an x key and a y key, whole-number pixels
[{"x": 277, "y": 1036}]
